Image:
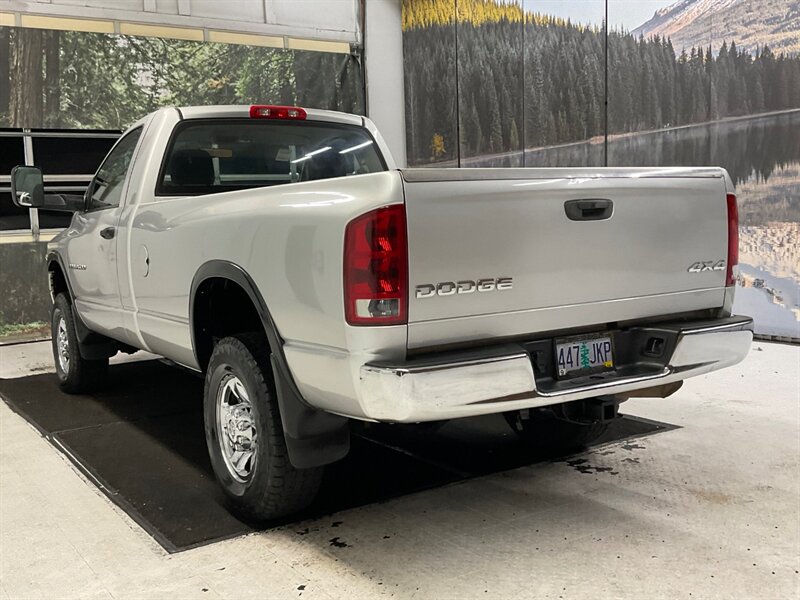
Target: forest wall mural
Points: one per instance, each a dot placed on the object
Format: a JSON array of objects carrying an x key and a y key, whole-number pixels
[
  {"x": 507, "y": 83},
  {"x": 72, "y": 79}
]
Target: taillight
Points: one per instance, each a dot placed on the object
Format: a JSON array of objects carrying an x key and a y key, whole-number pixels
[
  {"x": 733, "y": 238},
  {"x": 376, "y": 268},
  {"x": 277, "y": 112}
]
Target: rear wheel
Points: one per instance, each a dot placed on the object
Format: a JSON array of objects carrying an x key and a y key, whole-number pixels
[
  {"x": 543, "y": 431},
  {"x": 75, "y": 374},
  {"x": 244, "y": 433}
]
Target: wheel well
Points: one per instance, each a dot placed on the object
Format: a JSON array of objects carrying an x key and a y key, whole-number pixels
[
  {"x": 58, "y": 282},
  {"x": 221, "y": 308}
]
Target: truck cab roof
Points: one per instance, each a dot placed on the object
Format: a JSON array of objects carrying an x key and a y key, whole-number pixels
[{"x": 243, "y": 111}]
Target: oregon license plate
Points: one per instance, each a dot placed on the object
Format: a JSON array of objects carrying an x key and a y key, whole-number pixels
[{"x": 583, "y": 355}]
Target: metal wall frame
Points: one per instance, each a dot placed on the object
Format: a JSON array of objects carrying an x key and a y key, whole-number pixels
[
  {"x": 313, "y": 36},
  {"x": 58, "y": 182}
]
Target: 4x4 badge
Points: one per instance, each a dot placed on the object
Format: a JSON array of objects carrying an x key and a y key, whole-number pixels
[{"x": 707, "y": 265}]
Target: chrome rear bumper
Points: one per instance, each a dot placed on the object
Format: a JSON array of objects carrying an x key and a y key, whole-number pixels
[{"x": 502, "y": 378}]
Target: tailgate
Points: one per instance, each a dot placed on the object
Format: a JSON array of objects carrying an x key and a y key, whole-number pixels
[{"x": 507, "y": 252}]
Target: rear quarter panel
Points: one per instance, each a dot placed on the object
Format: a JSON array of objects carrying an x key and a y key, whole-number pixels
[{"x": 289, "y": 240}]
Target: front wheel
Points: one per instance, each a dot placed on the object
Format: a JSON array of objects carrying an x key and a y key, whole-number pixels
[
  {"x": 75, "y": 373},
  {"x": 244, "y": 434}
]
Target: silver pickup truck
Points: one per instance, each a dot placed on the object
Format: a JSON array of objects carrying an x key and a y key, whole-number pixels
[{"x": 282, "y": 253}]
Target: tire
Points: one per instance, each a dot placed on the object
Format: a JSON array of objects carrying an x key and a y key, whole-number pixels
[
  {"x": 547, "y": 434},
  {"x": 76, "y": 375},
  {"x": 264, "y": 485}
]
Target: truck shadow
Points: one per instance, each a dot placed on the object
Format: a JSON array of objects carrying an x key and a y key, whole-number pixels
[{"x": 141, "y": 442}]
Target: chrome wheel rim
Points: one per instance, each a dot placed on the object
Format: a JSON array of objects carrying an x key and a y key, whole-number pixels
[
  {"x": 236, "y": 432},
  {"x": 62, "y": 345}
]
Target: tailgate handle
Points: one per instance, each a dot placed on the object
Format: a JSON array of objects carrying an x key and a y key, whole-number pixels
[{"x": 589, "y": 209}]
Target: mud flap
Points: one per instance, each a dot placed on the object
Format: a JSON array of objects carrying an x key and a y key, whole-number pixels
[{"x": 313, "y": 437}]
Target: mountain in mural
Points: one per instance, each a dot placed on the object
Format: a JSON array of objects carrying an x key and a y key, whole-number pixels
[{"x": 750, "y": 23}]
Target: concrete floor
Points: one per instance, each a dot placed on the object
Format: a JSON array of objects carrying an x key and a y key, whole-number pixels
[{"x": 711, "y": 510}]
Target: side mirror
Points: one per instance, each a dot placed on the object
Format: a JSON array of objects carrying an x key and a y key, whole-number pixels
[
  {"x": 27, "y": 187},
  {"x": 27, "y": 191}
]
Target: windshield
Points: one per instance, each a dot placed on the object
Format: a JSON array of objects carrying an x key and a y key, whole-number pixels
[{"x": 208, "y": 156}]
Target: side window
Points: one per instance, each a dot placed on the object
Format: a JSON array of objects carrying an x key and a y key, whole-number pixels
[{"x": 106, "y": 190}]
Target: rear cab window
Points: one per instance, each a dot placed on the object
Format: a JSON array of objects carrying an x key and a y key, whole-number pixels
[{"x": 207, "y": 156}]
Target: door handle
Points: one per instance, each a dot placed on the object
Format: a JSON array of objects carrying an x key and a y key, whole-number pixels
[
  {"x": 107, "y": 233},
  {"x": 589, "y": 209}
]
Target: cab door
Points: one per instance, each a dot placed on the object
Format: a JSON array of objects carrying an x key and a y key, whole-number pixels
[{"x": 92, "y": 243}]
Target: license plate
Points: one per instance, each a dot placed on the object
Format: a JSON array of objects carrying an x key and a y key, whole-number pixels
[{"x": 584, "y": 355}]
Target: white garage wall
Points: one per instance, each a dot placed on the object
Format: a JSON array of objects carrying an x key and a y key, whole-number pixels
[
  {"x": 324, "y": 15},
  {"x": 383, "y": 50},
  {"x": 329, "y": 20}
]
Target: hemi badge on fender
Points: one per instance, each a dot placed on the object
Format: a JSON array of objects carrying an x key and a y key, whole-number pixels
[{"x": 77, "y": 267}]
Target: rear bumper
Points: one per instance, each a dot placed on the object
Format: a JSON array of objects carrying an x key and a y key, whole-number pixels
[{"x": 503, "y": 378}]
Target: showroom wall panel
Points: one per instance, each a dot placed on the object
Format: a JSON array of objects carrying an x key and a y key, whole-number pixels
[
  {"x": 317, "y": 19},
  {"x": 689, "y": 83},
  {"x": 490, "y": 103},
  {"x": 132, "y": 5},
  {"x": 564, "y": 82},
  {"x": 528, "y": 74},
  {"x": 169, "y": 7},
  {"x": 239, "y": 10},
  {"x": 429, "y": 56},
  {"x": 654, "y": 86}
]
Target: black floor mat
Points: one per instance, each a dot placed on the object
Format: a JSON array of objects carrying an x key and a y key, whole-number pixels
[{"x": 141, "y": 440}]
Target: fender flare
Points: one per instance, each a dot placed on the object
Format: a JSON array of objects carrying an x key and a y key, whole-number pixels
[{"x": 313, "y": 437}]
